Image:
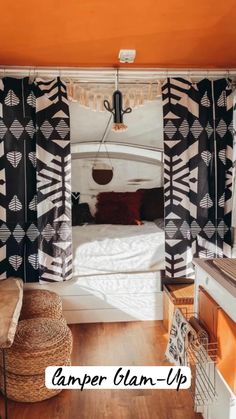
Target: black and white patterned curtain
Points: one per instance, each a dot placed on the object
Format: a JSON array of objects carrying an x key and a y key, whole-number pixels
[
  {"x": 198, "y": 141},
  {"x": 35, "y": 166}
]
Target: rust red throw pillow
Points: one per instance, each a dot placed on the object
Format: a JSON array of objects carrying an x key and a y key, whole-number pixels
[{"x": 119, "y": 208}]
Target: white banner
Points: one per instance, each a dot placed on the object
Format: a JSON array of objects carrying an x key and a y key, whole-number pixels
[{"x": 117, "y": 377}]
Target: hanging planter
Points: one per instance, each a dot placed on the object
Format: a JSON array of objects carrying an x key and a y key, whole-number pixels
[{"x": 102, "y": 173}]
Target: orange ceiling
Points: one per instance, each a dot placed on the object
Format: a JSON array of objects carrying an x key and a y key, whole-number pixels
[{"x": 166, "y": 33}]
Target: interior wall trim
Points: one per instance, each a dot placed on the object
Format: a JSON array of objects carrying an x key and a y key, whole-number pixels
[
  {"x": 118, "y": 156},
  {"x": 117, "y": 143},
  {"x": 116, "y": 151}
]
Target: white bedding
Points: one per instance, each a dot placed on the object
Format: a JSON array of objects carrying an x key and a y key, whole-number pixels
[{"x": 106, "y": 248}]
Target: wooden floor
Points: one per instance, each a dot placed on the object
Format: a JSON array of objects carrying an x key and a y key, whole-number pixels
[{"x": 136, "y": 343}]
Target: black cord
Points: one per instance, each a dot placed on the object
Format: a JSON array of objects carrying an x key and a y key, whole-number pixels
[{"x": 96, "y": 155}]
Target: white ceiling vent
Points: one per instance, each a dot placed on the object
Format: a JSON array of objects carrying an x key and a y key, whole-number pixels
[{"x": 127, "y": 55}]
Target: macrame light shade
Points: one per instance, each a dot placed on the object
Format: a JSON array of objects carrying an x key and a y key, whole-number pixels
[
  {"x": 117, "y": 111},
  {"x": 92, "y": 95}
]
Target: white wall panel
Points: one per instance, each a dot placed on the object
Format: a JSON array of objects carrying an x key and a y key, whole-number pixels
[{"x": 129, "y": 175}]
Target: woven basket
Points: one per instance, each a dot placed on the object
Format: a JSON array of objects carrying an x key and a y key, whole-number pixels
[
  {"x": 38, "y": 344},
  {"x": 28, "y": 388},
  {"x": 41, "y": 303}
]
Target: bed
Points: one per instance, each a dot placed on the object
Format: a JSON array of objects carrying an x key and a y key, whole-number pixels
[
  {"x": 117, "y": 273},
  {"x": 117, "y": 262},
  {"x": 109, "y": 249}
]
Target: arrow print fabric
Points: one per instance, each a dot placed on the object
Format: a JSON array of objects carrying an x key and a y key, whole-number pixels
[{"x": 35, "y": 212}]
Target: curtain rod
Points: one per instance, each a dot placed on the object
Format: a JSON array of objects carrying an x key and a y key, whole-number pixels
[{"x": 88, "y": 74}]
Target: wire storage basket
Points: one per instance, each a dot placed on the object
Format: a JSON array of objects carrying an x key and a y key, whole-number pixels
[{"x": 201, "y": 357}]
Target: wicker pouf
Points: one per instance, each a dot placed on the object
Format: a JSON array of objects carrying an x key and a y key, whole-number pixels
[
  {"x": 27, "y": 388},
  {"x": 41, "y": 303},
  {"x": 38, "y": 344}
]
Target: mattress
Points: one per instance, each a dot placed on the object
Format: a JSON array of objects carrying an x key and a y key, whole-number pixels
[{"x": 107, "y": 248}]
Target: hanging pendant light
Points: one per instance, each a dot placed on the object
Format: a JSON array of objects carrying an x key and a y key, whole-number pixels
[{"x": 117, "y": 109}]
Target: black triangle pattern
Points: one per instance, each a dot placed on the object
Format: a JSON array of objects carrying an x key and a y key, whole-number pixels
[
  {"x": 32, "y": 245},
  {"x": 198, "y": 180}
]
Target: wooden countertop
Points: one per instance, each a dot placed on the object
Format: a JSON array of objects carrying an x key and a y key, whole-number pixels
[{"x": 223, "y": 279}]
